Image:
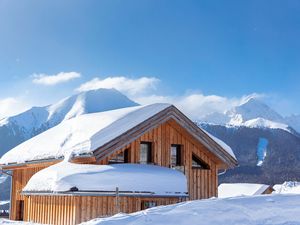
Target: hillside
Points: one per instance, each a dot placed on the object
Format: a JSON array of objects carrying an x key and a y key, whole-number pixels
[{"x": 280, "y": 161}]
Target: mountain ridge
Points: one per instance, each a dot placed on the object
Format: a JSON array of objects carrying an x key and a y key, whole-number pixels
[
  {"x": 27, "y": 124},
  {"x": 241, "y": 128},
  {"x": 253, "y": 113}
]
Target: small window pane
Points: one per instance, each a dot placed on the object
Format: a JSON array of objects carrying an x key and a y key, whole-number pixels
[
  {"x": 122, "y": 157},
  {"x": 145, "y": 153},
  {"x": 176, "y": 159},
  {"x": 148, "y": 204},
  {"x": 198, "y": 163}
]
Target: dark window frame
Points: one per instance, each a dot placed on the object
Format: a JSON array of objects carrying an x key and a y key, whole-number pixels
[
  {"x": 201, "y": 164},
  {"x": 149, "y": 152},
  {"x": 147, "y": 204},
  {"x": 179, "y": 155},
  {"x": 125, "y": 158}
]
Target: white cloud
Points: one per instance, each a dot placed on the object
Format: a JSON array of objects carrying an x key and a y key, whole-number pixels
[
  {"x": 126, "y": 85},
  {"x": 61, "y": 77},
  {"x": 11, "y": 106},
  {"x": 197, "y": 106},
  {"x": 143, "y": 89}
]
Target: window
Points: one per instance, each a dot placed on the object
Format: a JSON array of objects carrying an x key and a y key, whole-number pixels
[
  {"x": 146, "y": 153},
  {"x": 176, "y": 155},
  {"x": 122, "y": 157},
  {"x": 198, "y": 163},
  {"x": 148, "y": 204}
]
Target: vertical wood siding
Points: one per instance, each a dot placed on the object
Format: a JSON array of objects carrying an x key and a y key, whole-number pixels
[{"x": 69, "y": 210}]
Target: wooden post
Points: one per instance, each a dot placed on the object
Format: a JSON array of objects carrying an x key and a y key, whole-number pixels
[{"x": 117, "y": 200}]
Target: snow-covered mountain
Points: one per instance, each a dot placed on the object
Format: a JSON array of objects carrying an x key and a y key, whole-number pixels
[
  {"x": 16, "y": 129},
  {"x": 265, "y": 143},
  {"x": 253, "y": 113}
]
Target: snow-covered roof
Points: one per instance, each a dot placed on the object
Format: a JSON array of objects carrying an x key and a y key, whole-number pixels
[
  {"x": 86, "y": 133},
  {"x": 221, "y": 143},
  {"x": 136, "y": 178},
  {"x": 82, "y": 134},
  {"x": 227, "y": 190}
]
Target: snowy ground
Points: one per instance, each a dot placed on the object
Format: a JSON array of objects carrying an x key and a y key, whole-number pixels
[
  {"x": 5, "y": 221},
  {"x": 288, "y": 187},
  {"x": 4, "y": 202},
  {"x": 276, "y": 209},
  {"x": 258, "y": 210}
]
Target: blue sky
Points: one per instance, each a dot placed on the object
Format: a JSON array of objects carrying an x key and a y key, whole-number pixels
[{"x": 224, "y": 48}]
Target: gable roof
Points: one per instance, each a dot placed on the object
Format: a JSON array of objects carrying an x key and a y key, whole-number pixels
[{"x": 102, "y": 133}]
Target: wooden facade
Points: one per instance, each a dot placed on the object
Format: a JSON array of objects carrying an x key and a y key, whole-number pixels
[
  {"x": 73, "y": 209},
  {"x": 76, "y": 209}
]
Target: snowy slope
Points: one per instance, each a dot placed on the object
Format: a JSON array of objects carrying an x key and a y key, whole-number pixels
[
  {"x": 258, "y": 210},
  {"x": 261, "y": 123},
  {"x": 254, "y": 114},
  {"x": 16, "y": 129},
  {"x": 10, "y": 222},
  {"x": 85, "y": 102},
  {"x": 288, "y": 187},
  {"x": 254, "y": 108}
]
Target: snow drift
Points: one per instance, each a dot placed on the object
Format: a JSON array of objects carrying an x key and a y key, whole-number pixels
[{"x": 258, "y": 210}]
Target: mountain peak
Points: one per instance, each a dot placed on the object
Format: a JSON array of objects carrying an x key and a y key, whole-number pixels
[
  {"x": 254, "y": 108},
  {"x": 37, "y": 119}
]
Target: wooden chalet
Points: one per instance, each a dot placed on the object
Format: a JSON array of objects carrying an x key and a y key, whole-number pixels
[{"x": 159, "y": 135}]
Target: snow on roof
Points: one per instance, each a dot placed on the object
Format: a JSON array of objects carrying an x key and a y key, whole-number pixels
[
  {"x": 63, "y": 176},
  {"x": 85, "y": 133},
  {"x": 82, "y": 134},
  {"x": 289, "y": 187},
  {"x": 227, "y": 190},
  {"x": 221, "y": 143}
]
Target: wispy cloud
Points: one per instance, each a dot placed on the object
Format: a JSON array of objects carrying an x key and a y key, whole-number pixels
[
  {"x": 11, "y": 106},
  {"x": 61, "y": 77},
  {"x": 194, "y": 105},
  {"x": 126, "y": 85},
  {"x": 143, "y": 90}
]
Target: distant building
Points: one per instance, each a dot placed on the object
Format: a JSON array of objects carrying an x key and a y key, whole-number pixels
[
  {"x": 227, "y": 190},
  {"x": 122, "y": 160}
]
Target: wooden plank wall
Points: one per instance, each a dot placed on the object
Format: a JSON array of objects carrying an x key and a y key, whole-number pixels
[
  {"x": 19, "y": 180},
  {"x": 50, "y": 209},
  {"x": 202, "y": 183},
  {"x": 69, "y": 210}
]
